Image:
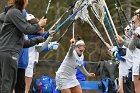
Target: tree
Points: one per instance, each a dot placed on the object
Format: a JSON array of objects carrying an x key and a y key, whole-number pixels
[{"x": 95, "y": 48}]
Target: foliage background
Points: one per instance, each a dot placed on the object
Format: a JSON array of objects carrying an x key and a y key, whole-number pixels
[{"x": 96, "y": 50}]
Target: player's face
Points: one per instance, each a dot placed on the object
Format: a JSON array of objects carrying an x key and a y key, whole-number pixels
[{"x": 80, "y": 48}]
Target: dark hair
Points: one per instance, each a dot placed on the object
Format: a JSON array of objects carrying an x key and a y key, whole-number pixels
[
  {"x": 78, "y": 38},
  {"x": 19, "y": 4}
]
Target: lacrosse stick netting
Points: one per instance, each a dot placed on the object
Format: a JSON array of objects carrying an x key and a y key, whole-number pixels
[
  {"x": 84, "y": 16},
  {"x": 98, "y": 10}
]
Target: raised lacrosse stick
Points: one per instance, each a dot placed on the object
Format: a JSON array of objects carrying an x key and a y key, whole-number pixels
[
  {"x": 112, "y": 23},
  {"x": 84, "y": 16},
  {"x": 101, "y": 15},
  {"x": 68, "y": 18},
  {"x": 73, "y": 30},
  {"x": 47, "y": 8},
  {"x": 97, "y": 8}
]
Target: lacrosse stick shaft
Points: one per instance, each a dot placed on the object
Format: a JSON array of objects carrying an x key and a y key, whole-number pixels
[
  {"x": 60, "y": 18},
  {"x": 68, "y": 9},
  {"x": 73, "y": 30},
  {"x": 100, "y": 18},
  {"x": 111, "y": 30},
  {"x": 120, "y": 7},
  {"x": 106, "y": 8},
  {"x": 47, "y": 8},
  {"x": 107, "y": 34},
  {"x": 120, "y": 18},
  {"x": 65, "y": 31},
  {"x": 96, "y": 31},
  {"x": 70, "y": 17}
]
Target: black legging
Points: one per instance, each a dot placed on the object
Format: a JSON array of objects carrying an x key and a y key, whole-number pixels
[{"x": 20, "y": 84}]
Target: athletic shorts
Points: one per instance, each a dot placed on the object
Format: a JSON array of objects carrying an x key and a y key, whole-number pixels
[
  {"x": 65, "y": 83},
  {"x": 135, "y": 70},
  {"x": 29, "y": 69}
]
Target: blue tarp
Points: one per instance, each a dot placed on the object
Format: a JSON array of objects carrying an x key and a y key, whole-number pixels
[{"x": 89, "y": 85}]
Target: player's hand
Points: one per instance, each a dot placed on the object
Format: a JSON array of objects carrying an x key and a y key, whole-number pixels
[
  {"x": 72, "y": 41},
  {"x": 92, "y": 75}
]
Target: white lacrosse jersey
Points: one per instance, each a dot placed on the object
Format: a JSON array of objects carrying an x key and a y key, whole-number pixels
[
  {"x": 136, "y": 51},
  {"x": 69, "y": 64},
  {"x": 125, "y": 66},
  {"x": 33, "y": 55}
]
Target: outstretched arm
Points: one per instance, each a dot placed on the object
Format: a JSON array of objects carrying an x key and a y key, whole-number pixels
[
  {"x": 16, "y": 17},
  {"x": 123, "y": 41},
  {"x": 84, "y": 71},
  {"x": 72, "y": 47},
  {"x": 31, "y": 42},
  {"x": 51, "y": 46},
  {"x": 41, "y": 47},
  {"x": 133, "y": 41}
]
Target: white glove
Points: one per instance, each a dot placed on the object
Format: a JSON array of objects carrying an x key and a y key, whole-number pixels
[
  {"x": 115, "y": 48},
  {"x": 53, "y": 45}
]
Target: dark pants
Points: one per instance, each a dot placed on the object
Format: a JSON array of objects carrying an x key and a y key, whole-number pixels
[
  {"x": 128, "y": 86},
  {"x": 20, "y": 84},
  {"x": 8, "y": 71}
]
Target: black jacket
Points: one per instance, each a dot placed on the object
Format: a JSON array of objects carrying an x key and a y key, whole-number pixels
[
  {"x": 27, "y": 43},
  {"x": 13, "y": 30}
]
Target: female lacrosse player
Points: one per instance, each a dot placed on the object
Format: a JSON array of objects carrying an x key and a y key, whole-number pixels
[
  {"x": 35, "y": 50},
  {"x": 11, "y": 42},
  {"x": 136, "y": 51},
  {"x": 125, "y": 66},
  {"x": 66, "y": 75},
  {"x": 133, "y": 46}
]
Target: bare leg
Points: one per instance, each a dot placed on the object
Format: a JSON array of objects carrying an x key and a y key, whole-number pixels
[
  {"x": 120, "y": 90},
  {"x": 76, "y": 89},
  {"x": 137, "y": 83},
  {"x": 13, "y": 91},
  {"x": 66, "y": 91},
  {"x": 28, "y": 81}
]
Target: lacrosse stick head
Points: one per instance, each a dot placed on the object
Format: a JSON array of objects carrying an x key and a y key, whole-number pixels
[
  {"x": 82, "y": 13},
  {"x": 98, "y": 9},
  {"x": 92, "y": 1}
]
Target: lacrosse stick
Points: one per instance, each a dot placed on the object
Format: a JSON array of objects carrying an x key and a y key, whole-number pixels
[
  {"x": 84, "y": 16},
  {"x": 100, "y": 13},
  {"x": 120, "y": 9},
  {"x": 60, "y": 18},
  {"x": 60, "y": 38},
  {"x": 73, "y": 30},
  {"x": 97, "y": 8},
  {"x": 106, "y": 13},
  {"x": 67, "y": 10},
  {"x": 111, "y": 30},
  {"x": 104, "y": 3},
  {"x": 72, "y": 23},
  {"x": 70, "y": 17},
  {"x": 47, "y": 8},
  {"x": 89, "y": 21}
]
